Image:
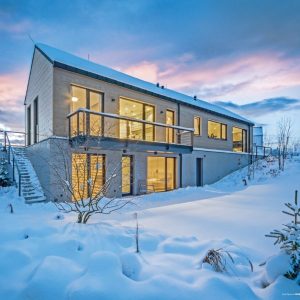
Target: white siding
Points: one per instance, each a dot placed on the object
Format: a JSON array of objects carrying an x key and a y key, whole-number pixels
[{"x": 40, "y": 84}]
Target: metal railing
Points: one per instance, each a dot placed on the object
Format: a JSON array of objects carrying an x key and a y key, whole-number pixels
[
  {"x": 84, "y": 122},
  {"x": 11, "y": 156},
  {"x": 262, "y": 151}
]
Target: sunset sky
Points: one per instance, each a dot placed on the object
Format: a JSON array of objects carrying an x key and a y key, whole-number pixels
[{"x": 244, "y": 55}]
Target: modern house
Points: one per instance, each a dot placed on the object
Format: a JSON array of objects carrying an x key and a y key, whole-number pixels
[{"x": 79, "y": 113}]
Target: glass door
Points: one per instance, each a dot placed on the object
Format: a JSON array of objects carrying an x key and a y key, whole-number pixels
[
  {"x": 161, "y": 173},
  {"x": 127, "y": 178}
]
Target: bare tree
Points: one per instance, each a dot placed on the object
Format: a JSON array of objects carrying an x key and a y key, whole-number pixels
[
  {"x": 284, "y": 130},
  {"x": 84, "y": 179}
]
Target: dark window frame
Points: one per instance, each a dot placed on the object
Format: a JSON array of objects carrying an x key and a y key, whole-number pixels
[
  {"x": 200, "y": 126},
  {"x": 144, "y": 104},
  {"x": 88, "y": 167},
  {"x": 88, "y": 105},
  {"x": 221, "y": 131},
  {"x": 244, "y": 141}
]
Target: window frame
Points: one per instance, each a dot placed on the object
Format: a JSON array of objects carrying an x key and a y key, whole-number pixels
[
  {"x": 200, "y": 126},
  {"x": 221, "y": 131},
  {"x": 88, "y": 171},
  {"x": 88, "y": 91},
  {"x": 144, "y": 104},
  {"x": 244, "y": 141}
]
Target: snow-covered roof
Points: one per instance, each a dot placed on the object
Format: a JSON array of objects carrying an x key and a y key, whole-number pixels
[{"x": 67, "y": 59}]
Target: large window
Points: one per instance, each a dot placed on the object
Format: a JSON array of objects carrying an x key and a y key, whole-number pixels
[
  {"x": 239, "y": 139},
  {"x": 197, "y": 126},
  {"x": 136, "y": 130},
  {"x": 161, "y": 173},
  {"x": 88, "y": 175},
  {"x": 217, "y": 130},
  {"x": 85, "y": 98}
]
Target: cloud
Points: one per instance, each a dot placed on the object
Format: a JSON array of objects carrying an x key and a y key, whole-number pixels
[
  {"x": 146, "y": 70},
  {"x": 12, "y": 92},
  {"x": 263, "y": 107}
]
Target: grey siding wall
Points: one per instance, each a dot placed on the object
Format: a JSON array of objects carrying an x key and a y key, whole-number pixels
[
  {"x": 216, "y": 165},
  {"x": 40, "y": 85}
]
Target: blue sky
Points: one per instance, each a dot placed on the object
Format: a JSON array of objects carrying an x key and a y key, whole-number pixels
[{"x": 244, "y": 55}]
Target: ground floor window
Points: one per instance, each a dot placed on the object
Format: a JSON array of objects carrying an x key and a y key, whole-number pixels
[
  {"x": 88, "y": 175},
  {"x": 239, "y": 139},
  {"x": 161, "y": 173}
]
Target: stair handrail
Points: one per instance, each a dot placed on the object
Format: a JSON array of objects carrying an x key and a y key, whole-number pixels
[{"x": 12, "y": 159}]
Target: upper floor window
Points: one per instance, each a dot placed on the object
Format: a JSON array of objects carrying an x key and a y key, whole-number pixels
[
  {"x": 85, "y": 98},
  {"x": 136, "y": 130},
  {"x": 89, "y": 99},
  {"x": 197, "y": 126},
  {"x": 239, "y": 139},
  {"x": 217, "y": 130}
]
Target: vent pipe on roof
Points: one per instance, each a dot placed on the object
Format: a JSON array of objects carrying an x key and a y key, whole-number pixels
[
  {"x": 157, "y": 84},
  {"x": 195, "y": 97},
  {"x": 162, "y": 86}
]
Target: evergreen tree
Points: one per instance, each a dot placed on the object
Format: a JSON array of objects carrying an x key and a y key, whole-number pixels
[{"x": 289, "y": 237}]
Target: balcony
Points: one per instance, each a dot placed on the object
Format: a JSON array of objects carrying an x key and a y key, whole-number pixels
[{"x": 111, "y": 131}]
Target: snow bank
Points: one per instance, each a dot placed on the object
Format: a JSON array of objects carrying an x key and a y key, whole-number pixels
[{"x": 43, "y": 256}]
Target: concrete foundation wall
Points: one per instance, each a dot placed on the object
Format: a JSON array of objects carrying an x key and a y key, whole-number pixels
[{"x": 52, "y": 161}]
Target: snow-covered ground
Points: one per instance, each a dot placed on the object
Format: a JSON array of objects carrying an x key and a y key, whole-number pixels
[{"x": 45, "y": 255}]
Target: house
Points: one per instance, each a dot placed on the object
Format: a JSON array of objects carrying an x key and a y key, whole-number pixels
[
  {"x": 258, "y": 136},
  {"x": 86, "y": 122}
]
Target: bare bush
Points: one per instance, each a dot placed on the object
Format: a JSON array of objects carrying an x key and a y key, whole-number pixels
[
  {"x": 284, "y": 129},
  {"x": 218, "y": 259}
]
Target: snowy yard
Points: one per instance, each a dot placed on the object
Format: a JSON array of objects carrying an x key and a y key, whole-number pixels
[{"x": 45, "y": 255}]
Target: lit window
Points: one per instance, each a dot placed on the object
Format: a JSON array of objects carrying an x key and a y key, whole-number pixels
[
  {"x": 217, "y": 130},
  {"x": 197, "y": 126},
  {"x": 136, "y": 130},
  {"x": 88, "y": 175},
  {"x": 239, "y": 139}
]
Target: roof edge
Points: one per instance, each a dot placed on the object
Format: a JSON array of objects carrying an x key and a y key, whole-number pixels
[{"x": 132, "y": 87}]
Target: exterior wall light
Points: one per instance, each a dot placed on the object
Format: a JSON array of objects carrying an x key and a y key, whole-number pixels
[{"x": 74, "y": 99}]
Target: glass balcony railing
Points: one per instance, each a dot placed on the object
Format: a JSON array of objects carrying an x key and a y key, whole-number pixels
[{"x": 84, "y": 122}]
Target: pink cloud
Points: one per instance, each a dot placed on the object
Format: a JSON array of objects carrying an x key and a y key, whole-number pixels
[
  {"x": 12, "y": 93},
  {"x": 241, "y": 77},
  {"x": 12, "y": 89},
  {"x": 145, "y": 70}
]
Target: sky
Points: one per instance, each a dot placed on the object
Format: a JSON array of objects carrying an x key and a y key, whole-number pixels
[{"x": 242, "y": 55}]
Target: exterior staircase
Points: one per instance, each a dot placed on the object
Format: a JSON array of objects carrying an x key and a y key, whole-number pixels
[{"x": 31, "y": 189}]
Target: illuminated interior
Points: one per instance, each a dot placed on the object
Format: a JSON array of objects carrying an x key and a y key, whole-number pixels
[
  {"x": 217, "y": 130},
  {"x": 239, "y": 139},
  {"x": 169, "y": 131},
  {"x": 84, "y": 98},
  {"x": 197, "y": 126},
  {"x": 88, "y": 174},
  {"x": 126, "y": 175},
  {"x": 161, "y": 173},
  {"x": 135, "y": 130},
  {"x": 79, "y": 94}
]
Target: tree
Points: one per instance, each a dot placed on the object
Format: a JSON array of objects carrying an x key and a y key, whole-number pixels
[
  {"x": 84, "y": 178},
  {"x": 289, "y": 237},
  {"x": 284, "y": 129}
]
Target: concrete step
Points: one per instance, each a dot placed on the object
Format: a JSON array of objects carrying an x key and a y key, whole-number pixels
[{"x": 31, "y": 200}]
